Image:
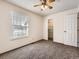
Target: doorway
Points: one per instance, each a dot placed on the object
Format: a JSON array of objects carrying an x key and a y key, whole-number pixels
[{"x": 50, "y": 29}]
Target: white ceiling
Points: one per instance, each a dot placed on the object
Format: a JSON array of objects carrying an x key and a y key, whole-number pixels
[{"x": 58, "y": 6}]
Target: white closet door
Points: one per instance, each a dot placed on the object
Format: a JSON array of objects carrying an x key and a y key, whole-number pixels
[
  {"x": 69, "y": 30},
  {"x": 74, "y": 29}
]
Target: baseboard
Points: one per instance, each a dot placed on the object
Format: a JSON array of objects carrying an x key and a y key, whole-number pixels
[{"x": 20, "y": 47}]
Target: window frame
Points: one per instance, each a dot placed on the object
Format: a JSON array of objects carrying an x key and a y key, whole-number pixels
[{"x": 14, "y": 16}]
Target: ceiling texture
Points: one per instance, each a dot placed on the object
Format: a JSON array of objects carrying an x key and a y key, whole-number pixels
[{"x": 58, "y": 6}]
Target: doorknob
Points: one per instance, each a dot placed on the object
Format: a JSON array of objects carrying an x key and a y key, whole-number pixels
[{"x": 65, "y": 31}]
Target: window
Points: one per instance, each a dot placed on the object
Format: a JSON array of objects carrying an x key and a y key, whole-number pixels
[{"x": 19, "y": 25}]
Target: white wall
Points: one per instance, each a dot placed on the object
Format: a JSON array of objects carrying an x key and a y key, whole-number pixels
[
  {"x": 35, "y": 28},
  {"x": 45, "y": 28},
  {"x": 58, "y": 25}
]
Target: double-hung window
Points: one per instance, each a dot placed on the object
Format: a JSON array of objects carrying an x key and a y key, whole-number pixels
[{"x": 19, "y": 25}]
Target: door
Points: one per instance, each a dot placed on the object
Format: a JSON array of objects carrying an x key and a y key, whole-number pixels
[
  {"x": 69, "y": 30},
  {"x": 50, "y": 29}
]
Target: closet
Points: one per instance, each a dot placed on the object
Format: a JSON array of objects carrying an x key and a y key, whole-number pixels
[
  {"x": 69, "y": 26},
  {"x": 70, "y": 32}
]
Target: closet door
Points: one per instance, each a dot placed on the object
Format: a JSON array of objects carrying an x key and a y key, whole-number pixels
[{"x": 69, "y": 30}]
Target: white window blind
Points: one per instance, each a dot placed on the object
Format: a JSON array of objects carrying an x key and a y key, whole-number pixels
[{"x": 19, "y": 25}]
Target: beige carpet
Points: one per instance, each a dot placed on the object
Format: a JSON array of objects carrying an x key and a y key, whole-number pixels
[{"x": 43, "y": 50}]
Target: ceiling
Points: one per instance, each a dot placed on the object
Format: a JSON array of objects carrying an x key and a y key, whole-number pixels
[{"x": 58, "y": 6}]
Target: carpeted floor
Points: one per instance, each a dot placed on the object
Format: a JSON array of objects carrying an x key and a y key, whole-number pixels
[{"x": 43, "y": 50}]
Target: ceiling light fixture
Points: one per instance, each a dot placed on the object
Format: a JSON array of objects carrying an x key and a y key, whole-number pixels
[{"x": 45, "y": 4}]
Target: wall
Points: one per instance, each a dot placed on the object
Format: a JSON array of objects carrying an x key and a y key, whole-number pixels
[
  {"x": 45, "y": 28},
  {"x": 58, "y": 25},
  {"x": 35, "y": 28}
]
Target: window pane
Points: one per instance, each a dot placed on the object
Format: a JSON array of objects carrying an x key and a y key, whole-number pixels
[{"x": 19, "y": 25}]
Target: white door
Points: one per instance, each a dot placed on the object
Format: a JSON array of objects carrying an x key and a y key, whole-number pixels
[{"x": 69, "y": 30}]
